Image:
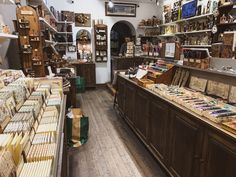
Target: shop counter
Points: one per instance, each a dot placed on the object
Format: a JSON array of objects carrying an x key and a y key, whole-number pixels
[{"x": 184, "y": 143}]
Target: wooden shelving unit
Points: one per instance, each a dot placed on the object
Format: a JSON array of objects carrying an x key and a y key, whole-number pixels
[
  {"x": 100, "y": 36},
  {"x": 30, "y": 42}
]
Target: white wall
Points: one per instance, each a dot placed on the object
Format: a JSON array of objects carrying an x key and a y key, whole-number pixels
[
  {"x": 97, "y": 10},
  {"x": 7, "y": 14}
]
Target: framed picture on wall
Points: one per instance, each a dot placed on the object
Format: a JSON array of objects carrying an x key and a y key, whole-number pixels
[
  {"x": 71, "y": 48},
  {"x": 121, "y": 9},
  {"x": 82, "y": 20}
]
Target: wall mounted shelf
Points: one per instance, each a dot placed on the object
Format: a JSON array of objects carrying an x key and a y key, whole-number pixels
[
  {"x": 148, "y": 27},
  {"x": 187, "y": 19},
  {"x": 8, "y": 36},
  {"x": 166, "y": 35},
  {"x": 200, "y": 46},
  {"x": 193, "y": 32}
]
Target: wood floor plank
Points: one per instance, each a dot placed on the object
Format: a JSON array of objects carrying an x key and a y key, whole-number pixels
[{"x": 112, "y": 150}]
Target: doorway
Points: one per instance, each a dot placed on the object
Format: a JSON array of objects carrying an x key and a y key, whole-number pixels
[{"x": 119, "y": 31}]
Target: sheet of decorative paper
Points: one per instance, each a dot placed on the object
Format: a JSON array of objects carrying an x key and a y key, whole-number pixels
[
  {"x": 232, "y": 95},
  {"x": 198, "y": 84},
  {"x": 218, "y": 89}
]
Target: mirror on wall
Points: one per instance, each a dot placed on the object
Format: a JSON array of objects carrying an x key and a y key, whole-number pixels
[{"x": 83, "y": 43}]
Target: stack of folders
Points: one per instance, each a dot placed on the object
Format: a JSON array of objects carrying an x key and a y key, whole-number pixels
[{"x": 37, "y": 169}]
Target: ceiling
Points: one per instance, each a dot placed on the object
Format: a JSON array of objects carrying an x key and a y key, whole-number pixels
[{"x": 144, "y": 1}]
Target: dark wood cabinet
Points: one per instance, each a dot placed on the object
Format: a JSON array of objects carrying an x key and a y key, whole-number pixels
[
  {"x": 141, "y": 113},
  {"x": 185, "y": 143},
  {"x": 121, "y": 95},
  {"x": 220, "y": 156},
  {"x": 158, "y": 130},
  {"x": 88, "y": 72},
  {"x": 129, "y": 103}
]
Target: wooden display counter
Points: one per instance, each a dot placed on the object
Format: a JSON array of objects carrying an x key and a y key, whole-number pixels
[
  {"x": 123, "y": 63},
  {"x": 185, "y": 144}
]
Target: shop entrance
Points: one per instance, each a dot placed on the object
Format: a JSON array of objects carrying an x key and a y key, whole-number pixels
[{"x": 119, "y": 31}]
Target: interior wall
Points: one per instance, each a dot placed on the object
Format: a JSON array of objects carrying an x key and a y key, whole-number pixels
[
  {"x": 97, "y": 10},
  {"x": 7, "y": 14}
]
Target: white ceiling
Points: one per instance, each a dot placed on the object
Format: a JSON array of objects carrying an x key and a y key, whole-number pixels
[{"x": 144, "y": 1}]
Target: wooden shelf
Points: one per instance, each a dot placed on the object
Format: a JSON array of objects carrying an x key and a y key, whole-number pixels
[
  {"x": 65, "y": 22},
  {"x": 209, "y": 71},
  {"x": 193, "y": 32},
  {"x": 8, "y": 36},
  {"x": 148, "y": 27},
  {"x": 64, "y": 32},
  {"x": 200, "y": 46},
  {"x": 48, "y": 24},
  {"x": 187, "y": 19},
  {"x": 226, "y": 6},
  {"x": 167, "y": 35},
  {"x": 226, "y": 24},
  {"x": 64, "y": 43}
]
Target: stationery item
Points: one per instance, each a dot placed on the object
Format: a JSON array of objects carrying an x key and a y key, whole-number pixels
[
  {"x": 41, "y": 152},
  {"x": 7, "y": 166},
  {"x": 198, "y": 84},
  {"x": 47, "y": 128},
  {"x": 37, "y": 169},
  {"x": 4, "y": 115},
  {"x": 44, "y": 138},
  {"x": 230, "y": 125},
  {"x": 218, "y": 89}
]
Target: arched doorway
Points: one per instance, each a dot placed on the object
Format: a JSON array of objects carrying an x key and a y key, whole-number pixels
[
  {"x": 119, "y": 31},
  {"x": 83, "y": 44}
]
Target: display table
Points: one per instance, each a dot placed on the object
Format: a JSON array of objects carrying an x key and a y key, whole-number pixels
[
  {"x": 185, "y": 144},
  {"x": 87, "y": 71},
  {"x": 122, "y": 63}
]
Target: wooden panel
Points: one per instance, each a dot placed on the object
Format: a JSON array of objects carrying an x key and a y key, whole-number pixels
[
  {"x": 184, "y": 145},
  {"x": 129, "y": 102},
  {"x": 141, "y": 113},
  {"x": 87, "y": 71},
  {"x": 120, "y": 94},
  {"x": 158, "y": 128},
  {"x": 221, "y": 156}
]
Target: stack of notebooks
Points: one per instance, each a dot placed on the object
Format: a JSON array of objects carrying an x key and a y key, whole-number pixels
[
  {"x": 41, "y": 152},
  {"x": 37, "y": 169},
  {"x": 21, "y": 122},
  {"x": 29, "y": 116},
  {"x": 15, "y": 144}
]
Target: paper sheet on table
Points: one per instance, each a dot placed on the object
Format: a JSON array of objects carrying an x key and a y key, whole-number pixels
[{"x": 141, "y": 73}]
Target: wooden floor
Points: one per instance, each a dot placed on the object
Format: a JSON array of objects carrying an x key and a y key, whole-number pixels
[{"x": 112, "y": 150}]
